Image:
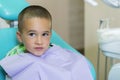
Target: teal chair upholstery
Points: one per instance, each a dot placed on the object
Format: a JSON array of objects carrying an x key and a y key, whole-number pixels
[
  {"x": 8, "y": 40},
  {"x": 10, "y": 9}
]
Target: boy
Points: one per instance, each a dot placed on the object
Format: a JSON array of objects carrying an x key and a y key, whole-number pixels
[{"x": 42, "y": 60}]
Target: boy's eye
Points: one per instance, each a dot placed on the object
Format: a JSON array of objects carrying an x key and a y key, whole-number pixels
[
  {"x": 32, "y": 34},
  {"x": 45, "y": 34}
]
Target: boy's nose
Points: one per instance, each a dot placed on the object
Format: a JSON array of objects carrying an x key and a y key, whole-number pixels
[{"x": 39, "y": 40}]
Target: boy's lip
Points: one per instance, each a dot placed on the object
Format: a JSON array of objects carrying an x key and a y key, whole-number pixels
[{"x": 39, "y": 48}]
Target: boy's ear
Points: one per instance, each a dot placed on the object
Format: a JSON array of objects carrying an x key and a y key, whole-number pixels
[{"x": 19, "y": 36}]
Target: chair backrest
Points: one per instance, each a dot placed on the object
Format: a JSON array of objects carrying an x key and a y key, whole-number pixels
[{"x": 7, "y": 40}]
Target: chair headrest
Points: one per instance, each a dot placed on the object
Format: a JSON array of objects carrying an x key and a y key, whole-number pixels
[{"x": 10, "y": 9}]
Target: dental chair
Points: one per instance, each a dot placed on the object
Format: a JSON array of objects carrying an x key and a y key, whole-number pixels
[{"x": 8, "y": 39}]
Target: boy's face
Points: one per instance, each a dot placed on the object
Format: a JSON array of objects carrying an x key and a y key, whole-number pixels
[{"x": 36, "y": 35}]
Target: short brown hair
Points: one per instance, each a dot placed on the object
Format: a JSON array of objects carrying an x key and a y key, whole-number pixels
[{"x": 33, "y": 11}]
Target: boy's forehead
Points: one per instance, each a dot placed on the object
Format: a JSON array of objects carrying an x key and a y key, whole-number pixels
[
  {"x": 36, "y": 19},
  {"x": 37, "y": 23}
]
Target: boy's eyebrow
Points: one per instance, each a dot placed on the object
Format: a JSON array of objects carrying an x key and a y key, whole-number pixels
[
  {"x": 31, "y": 31},
  {"x": 36, "y": 31},
  {"x": 47, "y": 31}
]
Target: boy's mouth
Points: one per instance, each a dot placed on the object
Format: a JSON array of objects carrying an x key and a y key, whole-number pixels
[{"x": 39, "y": 48}]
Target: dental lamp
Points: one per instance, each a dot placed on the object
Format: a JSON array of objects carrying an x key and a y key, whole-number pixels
[
  {"x": 112, "y": 3},
  {"x": 92, "y": 2}
]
